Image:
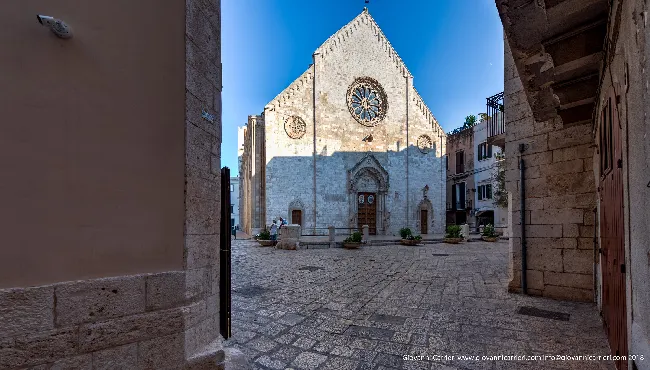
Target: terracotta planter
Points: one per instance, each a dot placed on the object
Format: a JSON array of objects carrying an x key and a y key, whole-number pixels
[
  {"x": 490, "y": 238},
  {"x": 452, "y": 240},
  {"x": 351, "y": 245},
  {"x": 266, "y": 243},
  {"x": 410, "y": 242}
]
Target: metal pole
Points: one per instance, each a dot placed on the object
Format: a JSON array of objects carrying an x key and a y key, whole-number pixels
[{"x": 522, "y": 196}]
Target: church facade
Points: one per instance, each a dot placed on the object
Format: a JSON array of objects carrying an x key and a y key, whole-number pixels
[{"x": 348, "y": 143}]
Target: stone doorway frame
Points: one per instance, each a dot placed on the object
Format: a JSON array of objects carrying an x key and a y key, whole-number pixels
[
  {"x": 368, "y": 167},
  {"x": 425, "y": 204},
  {"x": 296, "y": 205}
]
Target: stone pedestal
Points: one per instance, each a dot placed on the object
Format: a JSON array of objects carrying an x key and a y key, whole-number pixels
[
  {"x": 332, "y": 236},
  {"x": 289, "y": 237},
  {"x": 465, "y": 231}
]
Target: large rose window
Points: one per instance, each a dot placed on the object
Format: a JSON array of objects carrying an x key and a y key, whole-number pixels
[{"x": 367, "y": 101}]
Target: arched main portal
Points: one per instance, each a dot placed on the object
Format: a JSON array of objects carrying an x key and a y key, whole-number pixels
[{"x": 367, "y": 189}]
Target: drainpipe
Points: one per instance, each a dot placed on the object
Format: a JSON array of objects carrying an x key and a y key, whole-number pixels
[{"x": 522, "y": 197}]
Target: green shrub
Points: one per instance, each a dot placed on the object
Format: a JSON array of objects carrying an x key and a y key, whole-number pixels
[
  {"x": 488, "y": 230},
  {"x": 356, "y": 237},
  {"x": 405, "y": 232},
  {"x": 264, "y": 235},
  {"x": 454, "y": 231}
]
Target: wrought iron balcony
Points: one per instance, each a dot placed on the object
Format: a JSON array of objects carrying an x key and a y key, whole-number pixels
[{"x": 495, "y": 124}]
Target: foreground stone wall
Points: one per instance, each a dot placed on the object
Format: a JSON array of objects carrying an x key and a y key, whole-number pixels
[
  {"x": 560, "y": 198},
  {"x": 166, "y": 320}
]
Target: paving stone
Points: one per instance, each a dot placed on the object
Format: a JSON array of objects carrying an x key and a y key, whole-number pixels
[
  {"x": 262, "y": 344},
  {"x": 357, "y": 313},
  {"x": 308, "y": 360},
  {"x": 286, "y": 353},
  {"x": 270, "y": 363},
  {"x": 304, "y": 343}
]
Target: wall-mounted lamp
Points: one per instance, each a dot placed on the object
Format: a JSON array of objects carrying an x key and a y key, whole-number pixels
[{"x": 59, "y": 27}]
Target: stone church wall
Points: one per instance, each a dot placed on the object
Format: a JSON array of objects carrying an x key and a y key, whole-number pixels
[{"x": 358, "y": 50}]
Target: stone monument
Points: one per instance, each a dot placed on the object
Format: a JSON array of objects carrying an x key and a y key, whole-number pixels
[{"x": 289, "y": 237}]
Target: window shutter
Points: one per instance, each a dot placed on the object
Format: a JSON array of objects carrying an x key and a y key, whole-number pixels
[
  {"x": 453, "y": 197},
  {"x": 461, "y": 190},
  {"x": 480, "y": 192},
  {"x": 479, "y": 152},
  {"x": 489, "y": 191},
  {"x": 489, "y": 151}
]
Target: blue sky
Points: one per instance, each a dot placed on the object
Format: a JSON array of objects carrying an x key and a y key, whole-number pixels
[{"x": 453, "y": 48}]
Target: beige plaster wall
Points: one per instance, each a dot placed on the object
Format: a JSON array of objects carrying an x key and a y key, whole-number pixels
[{"x": 91, "y": 140}]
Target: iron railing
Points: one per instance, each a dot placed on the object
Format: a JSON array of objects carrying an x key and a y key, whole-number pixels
[
  {"x": 325, "y": 231},
  {"x": 495, "y": 124},
  {"x": 459, "y": 206}
]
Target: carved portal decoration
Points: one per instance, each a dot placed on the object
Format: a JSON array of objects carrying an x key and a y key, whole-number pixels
[
  {"x": 367, "y": 101},
  {"x": 425, "y": 204},
  {"x": 295, "y": 127},
  {"x": 368, "y": 176},
  {"x": 425, "y": 144}
]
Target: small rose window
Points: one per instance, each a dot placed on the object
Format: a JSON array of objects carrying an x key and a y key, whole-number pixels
[{"x": 371, "y": 199}]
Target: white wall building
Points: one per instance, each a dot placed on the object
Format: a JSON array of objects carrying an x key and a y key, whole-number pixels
[
  {"x": 234, "y": 201},
  {"x": 485, "y": 167}
]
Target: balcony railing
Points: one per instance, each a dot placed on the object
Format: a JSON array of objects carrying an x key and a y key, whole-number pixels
[
  {"x": 459, "y": 206},
  {"x": 495, "y": 124}
]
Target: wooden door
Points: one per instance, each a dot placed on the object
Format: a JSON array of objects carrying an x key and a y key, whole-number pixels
[
  {"x": 367, "y": 211},
  {"x": 296, "y": 217},
  {"x": 612, "y": 231},
  {"x": 424, "y": 222}
]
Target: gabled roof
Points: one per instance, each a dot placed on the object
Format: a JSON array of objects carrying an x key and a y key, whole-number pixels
[
  {"x": 362, "y": 19},
  {"x": 337, "y": 39}
]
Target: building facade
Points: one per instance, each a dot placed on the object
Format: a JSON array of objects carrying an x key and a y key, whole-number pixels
[
  {"x": 487, "y": 158},
  {"x": 349, "y": 143},
  {"x": 460, "y": 185},
  {"x": 576, "y": 111},
  {"x": 112, "y": 215}
]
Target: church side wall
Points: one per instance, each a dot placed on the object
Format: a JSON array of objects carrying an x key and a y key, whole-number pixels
[{"x": 425, "y": 169}]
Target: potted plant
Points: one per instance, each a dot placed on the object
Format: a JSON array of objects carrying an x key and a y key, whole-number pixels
[
  {"x": 489, "y": 235},
  {"x": 264, "y": 238},
  {"x": 408, "y": 238},
  {"x": 353, "y": 241},
  {"x": 454, "y": 235}
]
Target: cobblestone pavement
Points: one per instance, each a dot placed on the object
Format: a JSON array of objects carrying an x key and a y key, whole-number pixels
[{"x": 371, "y": 308}]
